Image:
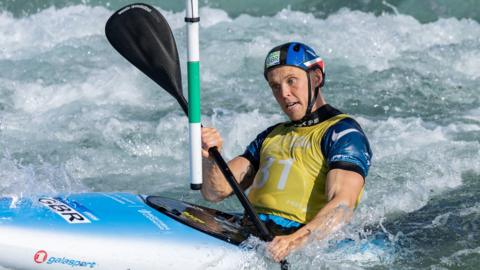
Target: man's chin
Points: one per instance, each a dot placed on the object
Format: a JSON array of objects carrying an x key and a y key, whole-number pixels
[{"x": 294, "y": 117}]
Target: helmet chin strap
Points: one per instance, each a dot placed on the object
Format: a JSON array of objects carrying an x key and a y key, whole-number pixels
[{"x": 311, "y": 102}]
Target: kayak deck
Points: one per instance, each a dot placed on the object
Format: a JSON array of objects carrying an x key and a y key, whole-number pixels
[{"x": 218, "y": 224}]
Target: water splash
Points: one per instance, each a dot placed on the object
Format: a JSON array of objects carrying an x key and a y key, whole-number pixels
[
  {"x": 27, "y": 181},
  {"x": 97, "y": 122}
]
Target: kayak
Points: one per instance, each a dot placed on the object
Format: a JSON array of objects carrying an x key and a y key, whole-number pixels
[
  {"x": 129, "y": 231},
  {"x": 116, "y": 231}
]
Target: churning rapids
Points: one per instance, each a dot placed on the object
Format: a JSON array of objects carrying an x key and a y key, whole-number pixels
[{"x": 75, "y": 116}]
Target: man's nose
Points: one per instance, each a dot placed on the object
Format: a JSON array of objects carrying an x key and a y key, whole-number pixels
[{"x": 285, "y": 91}]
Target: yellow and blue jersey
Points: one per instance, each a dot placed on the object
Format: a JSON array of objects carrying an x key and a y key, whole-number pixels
[{"x": 292, "y": 163}]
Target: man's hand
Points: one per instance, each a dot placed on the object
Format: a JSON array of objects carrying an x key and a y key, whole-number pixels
[
  {"x": 210, "y": 138},
  {"x": 281, "y": 246}
]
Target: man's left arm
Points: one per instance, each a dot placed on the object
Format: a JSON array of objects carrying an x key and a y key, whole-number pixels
[{"x": 343, "y": 189}]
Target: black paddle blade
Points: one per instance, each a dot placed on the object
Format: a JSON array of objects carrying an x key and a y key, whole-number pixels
[{"x": 142, "y": 35}]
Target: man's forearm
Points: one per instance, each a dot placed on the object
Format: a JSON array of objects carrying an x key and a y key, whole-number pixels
[
  {"x": 331, "y": 218},
  {"x": 343, "y": 189},
  {"x": 215, "y": 187}
]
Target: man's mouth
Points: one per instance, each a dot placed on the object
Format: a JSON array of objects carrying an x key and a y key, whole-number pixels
[{"x": 290, "y": 105}]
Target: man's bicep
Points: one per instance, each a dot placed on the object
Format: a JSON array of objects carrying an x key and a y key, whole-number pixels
[
  {"x": 344, "y": 185},
  {"x": 243, "y": 170}
]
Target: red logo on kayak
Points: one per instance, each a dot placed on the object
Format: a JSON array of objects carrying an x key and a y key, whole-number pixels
[{"x": 40, "y": 257}]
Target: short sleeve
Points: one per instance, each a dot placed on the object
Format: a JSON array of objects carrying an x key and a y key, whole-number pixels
[{"x": 345, "y": 146}]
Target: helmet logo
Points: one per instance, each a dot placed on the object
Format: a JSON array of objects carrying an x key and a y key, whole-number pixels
[
  {"x": 317, "y": 61},
  {"x": 272, "y": 59}
]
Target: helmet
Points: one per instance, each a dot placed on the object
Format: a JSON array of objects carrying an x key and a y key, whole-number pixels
[
  {"x": 293, "y": 54},
  {"x": 299, "y": 55}
]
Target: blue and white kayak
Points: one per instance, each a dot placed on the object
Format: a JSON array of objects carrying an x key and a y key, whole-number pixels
[
  {"x": 128, "y": 231},
  {"x": 116, "y": 231}
]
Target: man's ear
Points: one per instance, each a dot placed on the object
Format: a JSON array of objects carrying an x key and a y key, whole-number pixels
[{"x": 317, "y": 77}]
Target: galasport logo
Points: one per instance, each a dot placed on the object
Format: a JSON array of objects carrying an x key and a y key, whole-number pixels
[{"x": 40, "y": 257}]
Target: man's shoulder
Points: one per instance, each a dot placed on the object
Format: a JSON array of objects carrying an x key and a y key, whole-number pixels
[
  {"x": 347, "y": 131},
  {"x": 346, "y": 146},
  {"x": 269, "y": 130},
  {"x": 347, "y": 123}
]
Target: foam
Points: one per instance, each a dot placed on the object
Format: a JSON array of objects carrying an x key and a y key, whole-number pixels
[
  {"x": 458, "y": 258},
  {"x": 21, "y": 181},
  {"x": 25, "y": 37},
  {"x": 108, "y": 86},
  {"x": 415, "y": 154},
  {"x": 468, "y": 64},
  {"x": 75, "y": 112}
]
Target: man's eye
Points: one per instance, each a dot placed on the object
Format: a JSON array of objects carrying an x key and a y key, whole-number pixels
[{"x": 291, "y": 81}]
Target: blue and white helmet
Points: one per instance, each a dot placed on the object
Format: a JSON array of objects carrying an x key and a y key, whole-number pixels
[{"x": 294, "y": 54}]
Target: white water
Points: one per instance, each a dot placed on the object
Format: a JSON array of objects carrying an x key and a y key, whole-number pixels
[{"x": 75, "y": 116}]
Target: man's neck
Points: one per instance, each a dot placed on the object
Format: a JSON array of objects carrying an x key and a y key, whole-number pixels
[
  {"x": 321, "y": 114},
  {"x": 319, "y": 102}
]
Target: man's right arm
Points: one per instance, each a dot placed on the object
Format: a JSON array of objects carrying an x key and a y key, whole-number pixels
[{"x": 215, "y": 187}]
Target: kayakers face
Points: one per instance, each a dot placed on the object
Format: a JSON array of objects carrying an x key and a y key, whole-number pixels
[{"x": 290, "y": 87}]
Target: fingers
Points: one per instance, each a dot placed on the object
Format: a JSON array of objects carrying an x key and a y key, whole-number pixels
[
  {"x": 210, "y": 138},
  {"x": 279, "y": 248}
]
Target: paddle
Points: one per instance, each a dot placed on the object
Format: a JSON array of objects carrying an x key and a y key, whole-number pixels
[{"x": 142, "y": 35}]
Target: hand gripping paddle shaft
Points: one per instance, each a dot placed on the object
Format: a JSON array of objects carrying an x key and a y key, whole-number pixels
[{"x": 143, "y": 37}]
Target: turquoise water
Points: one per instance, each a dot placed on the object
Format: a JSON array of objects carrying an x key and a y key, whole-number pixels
[
  {"x": 424, "y": 11},
  {"x": 75, "y": 116}
]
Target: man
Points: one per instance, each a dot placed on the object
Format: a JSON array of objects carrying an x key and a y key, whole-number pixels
[{"x": 302, "y": 174}]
